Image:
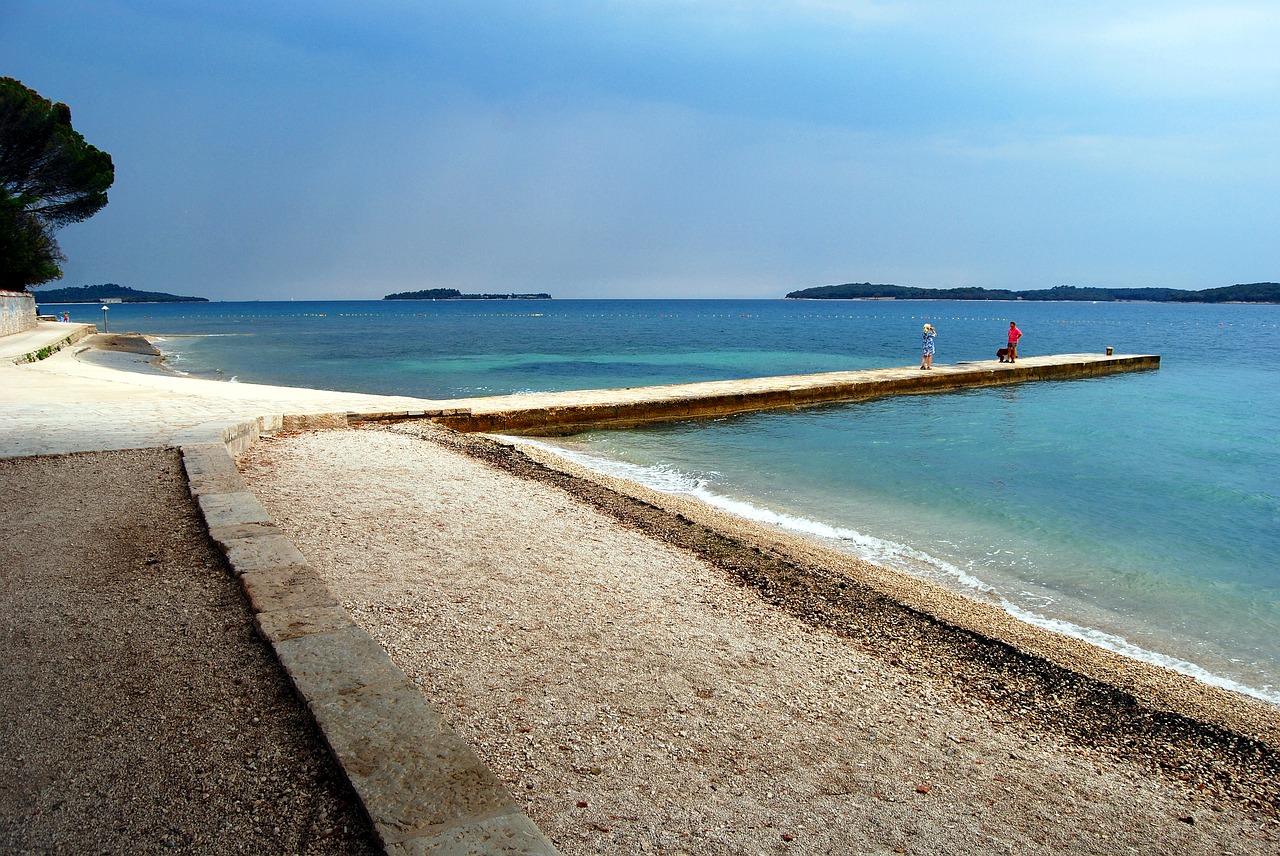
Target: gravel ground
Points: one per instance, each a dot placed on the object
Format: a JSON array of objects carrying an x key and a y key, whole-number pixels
[
  {"x": 651, "y": 680},
  {"x": 141, "y": 713}
]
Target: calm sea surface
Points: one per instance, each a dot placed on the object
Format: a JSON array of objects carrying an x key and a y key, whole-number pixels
[{"x": 1140, "y": 512}]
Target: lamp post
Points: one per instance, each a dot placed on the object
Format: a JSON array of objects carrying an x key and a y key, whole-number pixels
[{"x": 104, "y": 317}]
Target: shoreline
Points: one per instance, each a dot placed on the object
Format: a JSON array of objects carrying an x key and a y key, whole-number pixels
[
  {"x": 753, "y": 551},
  {"x": 664, "y": 668},
  {"x": 1057, "y": 623},
  {"x": 134, "y": 352}
]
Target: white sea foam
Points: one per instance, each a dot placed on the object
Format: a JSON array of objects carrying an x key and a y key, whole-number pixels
[
  {"x": 1120, "y": 645},
  {"x": 873, "y": 549},
  {"x": 894, "y": 555},
  {"x": 168, "y": 359}
]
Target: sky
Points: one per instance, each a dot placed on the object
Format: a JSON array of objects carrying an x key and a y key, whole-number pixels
[{"x": 325, "y": 149}]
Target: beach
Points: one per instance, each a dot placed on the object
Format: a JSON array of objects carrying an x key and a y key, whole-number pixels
[
  {"x": 641, "y": 671},
  {"x": 650, "y": 676},
  {"x": 1079, "y": 506}
]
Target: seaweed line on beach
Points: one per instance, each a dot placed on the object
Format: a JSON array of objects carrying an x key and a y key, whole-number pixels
[{"x": 1013, "y": 686}]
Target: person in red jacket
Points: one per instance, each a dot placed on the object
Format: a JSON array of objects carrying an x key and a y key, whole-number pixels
[{"x": 1014, "y": 335}]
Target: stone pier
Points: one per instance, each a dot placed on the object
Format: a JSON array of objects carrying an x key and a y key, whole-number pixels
[{"x": 552, "y": 413}]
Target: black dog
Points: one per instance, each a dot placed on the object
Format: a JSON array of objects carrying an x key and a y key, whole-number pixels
[{"x": 1003, "y": 355}]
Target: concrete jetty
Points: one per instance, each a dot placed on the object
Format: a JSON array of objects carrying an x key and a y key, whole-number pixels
[{"x": 552, "y": 413}]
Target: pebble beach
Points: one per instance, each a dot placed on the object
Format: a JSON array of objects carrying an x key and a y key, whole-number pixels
[{"x": 650, "y": 678}]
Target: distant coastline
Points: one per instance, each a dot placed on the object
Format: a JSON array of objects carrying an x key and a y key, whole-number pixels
[
  {"x": 1257, "y": 292},
  {"x": 110, "y": 293},
  {"x": 455, "y": 294}
]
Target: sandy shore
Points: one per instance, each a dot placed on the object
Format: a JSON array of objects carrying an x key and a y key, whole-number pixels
[{"x": 652, "y": 676}]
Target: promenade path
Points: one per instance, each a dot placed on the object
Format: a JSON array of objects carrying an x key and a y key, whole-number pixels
[{"x": 79, "y": 399}]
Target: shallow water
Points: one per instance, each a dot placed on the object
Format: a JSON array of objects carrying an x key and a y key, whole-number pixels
[{"x": 1140, "y": 511}]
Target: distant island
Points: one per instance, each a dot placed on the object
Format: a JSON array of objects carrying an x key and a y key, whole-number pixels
[
  {"x": 111, "y": 293},
  {"x": 1257, "y": 292},
  {"x": 454, "y": 294}
]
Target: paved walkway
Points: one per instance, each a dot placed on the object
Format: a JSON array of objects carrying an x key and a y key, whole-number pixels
[{"x": 79, "y": 400}]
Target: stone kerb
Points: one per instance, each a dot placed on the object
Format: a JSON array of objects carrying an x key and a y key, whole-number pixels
[{"x": 425, "y": 790}]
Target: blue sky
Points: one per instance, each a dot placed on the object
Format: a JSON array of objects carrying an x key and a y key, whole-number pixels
[{"x": 664, "y": 148}]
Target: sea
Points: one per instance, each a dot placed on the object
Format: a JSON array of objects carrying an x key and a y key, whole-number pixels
[{"x": 1139, "y": 512}]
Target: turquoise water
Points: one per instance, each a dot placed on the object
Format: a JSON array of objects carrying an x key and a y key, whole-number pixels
[{"x": 1138, "y": 511}]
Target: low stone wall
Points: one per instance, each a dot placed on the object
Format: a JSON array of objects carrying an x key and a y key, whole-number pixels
[{"x": 17, "y": 312}]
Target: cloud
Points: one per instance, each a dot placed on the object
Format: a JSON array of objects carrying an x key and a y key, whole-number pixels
[
  {"x": 661, "y": 147},
  {"x": 1170, "y": 51}
]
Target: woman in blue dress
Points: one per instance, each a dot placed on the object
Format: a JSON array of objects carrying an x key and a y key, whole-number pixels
[{"x": 929, "y": 333}]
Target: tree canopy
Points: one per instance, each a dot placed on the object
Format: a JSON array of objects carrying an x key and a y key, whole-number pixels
[{"x": 49, "y": 177}]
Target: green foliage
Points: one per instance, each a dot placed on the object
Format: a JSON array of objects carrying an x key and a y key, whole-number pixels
[
  {"x": 111, "y": 291},
  {"x": 454, "y": 294},
  {"x": 867, "y": 291},
  {"x": 1254, "y": 292},
  {"x": 1071, "y": 292},
  {"x": 854, "y": 290},
  {"x": 426, "y": 294},
  {"x": 28, "y": 255},
  {"x": 49, "y": 177},
  {"x": 1258, "y": 292}
]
